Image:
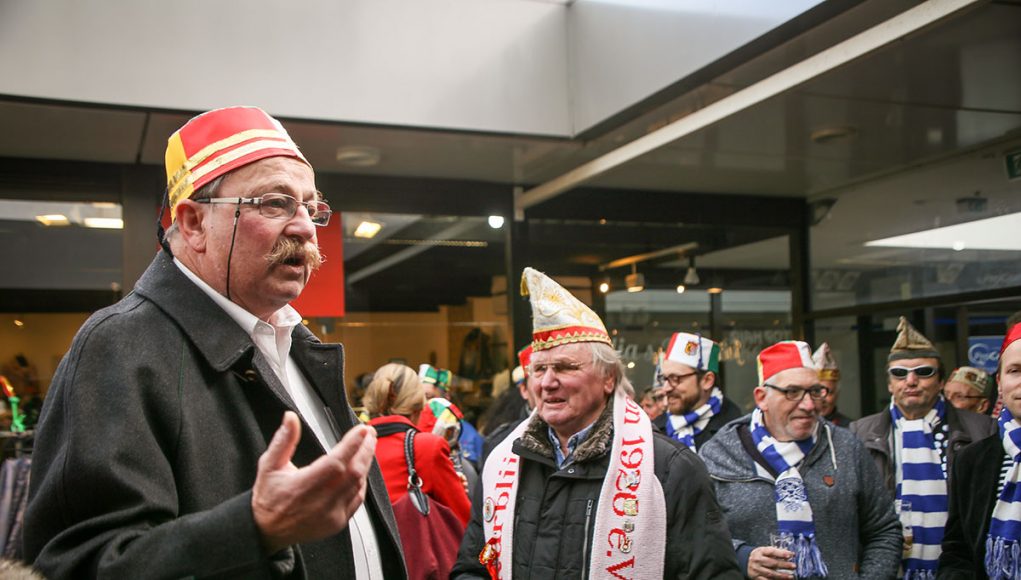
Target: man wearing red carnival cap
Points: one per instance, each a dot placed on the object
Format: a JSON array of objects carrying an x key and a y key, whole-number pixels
[
  {"x": 783, "y": 470},
  {"x": 196, "y": 428},
  {"x": 584, "y": 488}
]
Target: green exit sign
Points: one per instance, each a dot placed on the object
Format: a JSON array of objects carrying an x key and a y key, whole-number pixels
[{"x": 1013, "y": 161}]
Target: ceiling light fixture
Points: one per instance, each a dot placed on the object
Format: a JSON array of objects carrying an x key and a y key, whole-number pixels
[
  {"x": 681, "y": 288},
  {"x": 359, "y": 156},
  {"x": 604, "y": 286},
  {"x": 691, "y": 276},
  {"x": 831, "y": 134},
  {"x": 104, "y": 223},
  {"x": 496, "y": 221},
  {"x": 368, "y": 229},
  {"x": 635, "y": 282},
  {"x": 53, "y": 219}
]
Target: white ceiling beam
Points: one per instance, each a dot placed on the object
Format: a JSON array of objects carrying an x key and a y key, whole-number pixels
[{"x": 840, "y": 54}]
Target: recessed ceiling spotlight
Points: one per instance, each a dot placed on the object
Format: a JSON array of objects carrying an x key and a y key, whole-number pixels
[
  {"x": 831, "y": 134},
  {"x": 368, "y": 229},
  {"x": 358, "y": 156},
  {"x": 53, "y": 219},
  {"x": 104, "y": 223},
  {"x": 496, "y": 221}
]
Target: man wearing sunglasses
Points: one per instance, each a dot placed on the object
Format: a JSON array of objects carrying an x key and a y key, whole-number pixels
[
  {"x": 783, "y": 470},
  {"x": 696, "y": 407},
  {"x": 915, "y": 440},
  {"x": 196, "y": 428}
]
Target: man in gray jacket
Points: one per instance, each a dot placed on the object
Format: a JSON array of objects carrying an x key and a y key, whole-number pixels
[
  {"x": 782, "y": 470},
  {"x": 196, "y": 429},
  {"x": 915, "y": 440}
]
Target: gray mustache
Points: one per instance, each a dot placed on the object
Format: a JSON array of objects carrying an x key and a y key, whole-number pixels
[{"x": 287, "y": 249}]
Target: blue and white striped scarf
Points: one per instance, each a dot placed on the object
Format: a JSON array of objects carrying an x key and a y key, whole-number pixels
[
  {"x": 793, "y": 509},
  {"x": 921, "y": 481},
  {"x": 685, "y": 427},
  {"x": 1003, "y": 556}
]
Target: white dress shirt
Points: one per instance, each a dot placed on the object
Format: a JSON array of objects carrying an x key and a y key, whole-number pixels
[{"x": 273, "y": 339}]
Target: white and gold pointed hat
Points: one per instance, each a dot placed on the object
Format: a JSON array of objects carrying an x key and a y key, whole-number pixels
[{"x": 557, "y": 316}]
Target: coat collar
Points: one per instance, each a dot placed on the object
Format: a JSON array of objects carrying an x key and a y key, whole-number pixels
[
  {"x": 225, "y": 345},
  {"x": 214, "y": 333}
]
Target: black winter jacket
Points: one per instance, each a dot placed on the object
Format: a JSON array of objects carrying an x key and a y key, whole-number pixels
[
  {"x": 149, "y": 441},
  {"x": 556, "y": 511},
  {"x": 975, "y": 476}
]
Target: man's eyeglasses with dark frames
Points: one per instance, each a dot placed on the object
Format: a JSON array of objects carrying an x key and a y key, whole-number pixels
[
  {"x": 279, "y": 206},
  {"x": 817, "y": 392},
  {"x": 922, "y": 372},
  {"x": 673, "y": 380}
]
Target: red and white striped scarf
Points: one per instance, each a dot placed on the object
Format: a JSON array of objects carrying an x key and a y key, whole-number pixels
[{"x": 629, "y": 535}]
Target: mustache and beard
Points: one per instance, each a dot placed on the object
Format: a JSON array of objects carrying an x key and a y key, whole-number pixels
[{"x": 293, "y": 252}]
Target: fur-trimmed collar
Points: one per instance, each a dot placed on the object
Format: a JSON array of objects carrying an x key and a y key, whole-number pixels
[{"x": 536, "y": 437}]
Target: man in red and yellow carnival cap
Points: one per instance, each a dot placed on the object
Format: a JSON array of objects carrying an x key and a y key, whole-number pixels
[
  {"x": 646, "y": 509},
  {"x": 161, "y": 450},
  {"x": 784, "y": 470}
]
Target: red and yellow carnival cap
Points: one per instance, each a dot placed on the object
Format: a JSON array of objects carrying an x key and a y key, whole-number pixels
[
  {"x": 557, "y": 316},
  {"x": 789, "y": 354},
  {"x": 220, "y": 141}
]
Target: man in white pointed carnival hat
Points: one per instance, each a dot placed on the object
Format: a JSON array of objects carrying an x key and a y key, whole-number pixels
[
  {"x": 696, "y": 407},
  {"x": 829, "y": 377},
  {"x": 914, "y": 442},
  {"x": 584, "y": 488},
  {"x": 782, "y": 470},
  {"x": 983, "y": 531}
]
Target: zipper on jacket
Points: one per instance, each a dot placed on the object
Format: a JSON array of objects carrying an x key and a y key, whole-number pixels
[{"x": 584, "y": 548}]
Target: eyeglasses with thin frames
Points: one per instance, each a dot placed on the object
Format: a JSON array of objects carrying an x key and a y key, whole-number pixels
[
  {"x": 278, "y": 206},
  {"x": 817, "y": 392},
  {"x": 674, "y": 380}
]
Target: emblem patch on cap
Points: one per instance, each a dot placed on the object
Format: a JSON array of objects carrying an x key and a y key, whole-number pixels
[{"x": 691, "y": 348}]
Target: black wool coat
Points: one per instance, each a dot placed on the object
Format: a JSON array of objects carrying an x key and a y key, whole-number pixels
[{"x": 149, "y": 440}]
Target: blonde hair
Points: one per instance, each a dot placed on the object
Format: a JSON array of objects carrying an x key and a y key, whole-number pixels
[{"x": 400, "y": 381}]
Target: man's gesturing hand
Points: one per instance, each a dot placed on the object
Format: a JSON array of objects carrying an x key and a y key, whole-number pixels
[{"x": 292, "y": 505}]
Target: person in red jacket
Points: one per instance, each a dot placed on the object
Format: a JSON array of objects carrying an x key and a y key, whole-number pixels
[{"x": 394, "y": 400}]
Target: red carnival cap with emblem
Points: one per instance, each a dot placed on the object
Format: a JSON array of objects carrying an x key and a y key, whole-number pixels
[
  {"x": 789, "y": 354},
  {"x": 557, "y": 316},
  {"x": 1012, "y": 335},
  {"x": 220, "y": 141}
]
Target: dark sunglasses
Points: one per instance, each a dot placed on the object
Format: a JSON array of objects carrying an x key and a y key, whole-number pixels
[{"x": 922, "y": 372}]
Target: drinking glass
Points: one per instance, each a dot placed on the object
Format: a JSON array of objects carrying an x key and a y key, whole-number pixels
[
  {"x": 903, "y": 510},
  {"x": 784, "y": 541}
]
